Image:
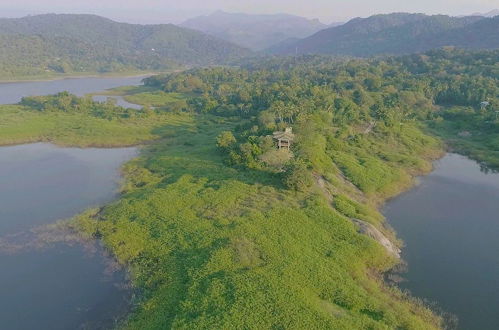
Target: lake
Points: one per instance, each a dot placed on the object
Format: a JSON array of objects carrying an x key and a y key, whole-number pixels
[
  {"x": 12, "y": 92},
  {"x": 62, "y": 286},
  {"x": 450, "y": 225}
]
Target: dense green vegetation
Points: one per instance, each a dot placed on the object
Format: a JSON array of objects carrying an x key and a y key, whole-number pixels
[
  {"x": 75, "y": 44},
  {"x": 67, "y": 120},
  {"x": 221, "y": 230},
  {"x": 397, "y": 33},
  {"x": 151, "y": 97},
  {"x": 213, "y": 246},
  {"x": 354, "y": 97}
]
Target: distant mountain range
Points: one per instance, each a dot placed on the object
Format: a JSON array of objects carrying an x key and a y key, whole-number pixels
[
  {"x": 491, "y": 13},
  {"x": 47, "y": 44},
  {"x": 397, "y": 33},
  {"x": 256, "y": 32},
  {"x": 87, "y": 43}
]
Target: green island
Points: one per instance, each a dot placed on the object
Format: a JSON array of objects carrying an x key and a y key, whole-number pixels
[{"x": 221, "y": 229}]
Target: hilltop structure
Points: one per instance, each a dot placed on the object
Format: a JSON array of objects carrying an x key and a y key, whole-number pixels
[{"x": 284, "y": 139}]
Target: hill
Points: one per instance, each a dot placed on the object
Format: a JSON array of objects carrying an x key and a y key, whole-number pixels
[
  {"x": 86, "y": 43},
  {"x": 491, "y": 13},
  {"x": 254, "y": 31},
  {"x": 396, "y": 34}
]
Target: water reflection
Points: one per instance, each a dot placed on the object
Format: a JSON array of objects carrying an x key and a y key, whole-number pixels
[
  {"x": 450, "y": 225},
  {"x": 59, "y": 286}
]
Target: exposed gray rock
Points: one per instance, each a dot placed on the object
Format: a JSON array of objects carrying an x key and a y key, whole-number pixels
[{"x": 371, "y": 231}]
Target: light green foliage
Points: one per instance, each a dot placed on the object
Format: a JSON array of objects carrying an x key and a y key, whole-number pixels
[
  {"x": 211, "y": 246},
  {"x": 21, "y": 125},
  {"x": 151, "y": 97},
  {"x": 217, "y": 240},
  {"x": 156, "y": 98},
  {"x": 353, "y": 209},
  {"x": 215, "y": 247},
  {"x": 368, "y": 173},
  {"x": 276, "y": 159},
  {"x": 297, "y": 176},
  {"x": 226, "y": 140}
]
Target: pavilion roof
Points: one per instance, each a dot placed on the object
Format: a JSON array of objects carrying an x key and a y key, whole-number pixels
[{"x": 284, "y": 136}]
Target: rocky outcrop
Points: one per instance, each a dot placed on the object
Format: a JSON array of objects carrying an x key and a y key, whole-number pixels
[{"x": 371, "y": 231}]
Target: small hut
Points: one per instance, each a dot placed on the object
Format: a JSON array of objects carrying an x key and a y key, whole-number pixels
[
  {"x": 484, "y": 104},
  {"x": 284, "y": 139}
]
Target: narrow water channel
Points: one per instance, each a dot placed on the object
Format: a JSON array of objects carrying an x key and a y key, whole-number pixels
[
  {"x": 450, "y": 226},
  {"x": 62, "y": 286},
  {"x": 120, "y": 101}
]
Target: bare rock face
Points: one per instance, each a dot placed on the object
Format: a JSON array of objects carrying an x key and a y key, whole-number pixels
[{"x": 371, "y": 231}]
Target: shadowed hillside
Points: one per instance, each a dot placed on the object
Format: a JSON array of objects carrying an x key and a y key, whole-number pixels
[
  {"x": 398, "y": 33},
  {"x": 85, "y": 43}
]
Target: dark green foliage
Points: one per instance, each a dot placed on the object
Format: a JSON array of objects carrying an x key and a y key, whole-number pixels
[
  {"x": 69, "y": 103},
  {"x": 398, "y": 33},
  {"x": 355, "y": 97},
  {"x": 44, "y": 44}
]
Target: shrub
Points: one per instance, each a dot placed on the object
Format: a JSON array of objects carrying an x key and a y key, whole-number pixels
[
  {"x": 276, "y": 159},
  {"x": 226, "y": 140},
  {"x": 297, "y": 176}
]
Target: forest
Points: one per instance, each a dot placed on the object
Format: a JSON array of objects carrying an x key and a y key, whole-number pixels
[
  {"x": 218, "y": 227},
  {"x": 441, "y": 89},
  {"x": 397, "y": 34},
  {"x": 50, "y": 45}
]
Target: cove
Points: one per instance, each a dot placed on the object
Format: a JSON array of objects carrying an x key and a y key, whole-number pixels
[
  {"x": 62, "y": 286},
  {"x": 13, "y": 92},
  {"x": 450, "y": 226},
  {"x": 120, "y": 101}
]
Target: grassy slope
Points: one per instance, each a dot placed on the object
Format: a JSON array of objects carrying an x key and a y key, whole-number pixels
[
  {"x": 211, "y": 246},
  {"x": 215, "y": 247}
]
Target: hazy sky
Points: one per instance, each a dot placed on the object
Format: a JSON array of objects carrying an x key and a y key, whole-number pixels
[{"x": 175, "y": 11}]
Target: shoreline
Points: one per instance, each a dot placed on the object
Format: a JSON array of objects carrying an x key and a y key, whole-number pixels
[
  {"x": 431, "y": 157},
  {"x": 60, "y": 235},
  {"x": 83, "y": 76}
]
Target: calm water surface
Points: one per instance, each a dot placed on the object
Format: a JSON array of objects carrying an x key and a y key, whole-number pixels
[
  {"x": 13, "y": 92},
  {"x": 61, "y": 287},
  {"x": 450, "y": 224},
  {"x": 118, "y": 99}
]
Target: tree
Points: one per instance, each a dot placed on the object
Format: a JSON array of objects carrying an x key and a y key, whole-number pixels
[
  {"x": 226, "y": 140},
  {"x": 297, "y": 176}
]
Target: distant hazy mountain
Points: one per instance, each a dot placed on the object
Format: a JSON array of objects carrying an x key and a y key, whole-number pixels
[
  {"x": 87, "y": 43},
  {"x": 398, "y": 33},
  {"x": 254, "y": 31},
  {"x": 491, "y": 13}
]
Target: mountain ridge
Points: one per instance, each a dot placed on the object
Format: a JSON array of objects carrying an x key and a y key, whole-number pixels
[
  {"x": 395, "y": 34},
  {"x": 65, "y": 43}
]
